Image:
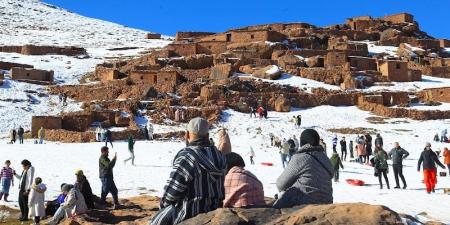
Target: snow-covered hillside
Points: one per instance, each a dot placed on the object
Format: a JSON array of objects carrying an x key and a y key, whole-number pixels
[{"x": 34, "y": 22}]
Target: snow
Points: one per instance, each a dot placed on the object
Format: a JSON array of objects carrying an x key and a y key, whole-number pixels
[
  {"x": 33, "y": 22},
  {"x": 295, "y": 81},
  {"x": 427, "y": 82},
  {"x": 273, "y": 70},
  {"x": 153, "y": 159},
  {"x": 377, "y": 49}
]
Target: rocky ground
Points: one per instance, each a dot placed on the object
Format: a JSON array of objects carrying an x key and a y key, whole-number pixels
[{"x": 139, "y": 210}]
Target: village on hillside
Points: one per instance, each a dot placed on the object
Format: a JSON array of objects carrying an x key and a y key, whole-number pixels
[{"x": 262, "y": 84}]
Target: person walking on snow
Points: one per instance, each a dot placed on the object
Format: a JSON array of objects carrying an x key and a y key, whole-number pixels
[
  {"x": 368, "y": 139},
  {"x": 284, "y": 153},
  {"x": 20, "y": 133},
  {"x": 98, "y": 134},
  {"x": 343, "y": 149},
  {"x": 252, "y": 112},
  {"x": 429, "y": 160},
  {"x": 295, "y": 121},
  {"x": 296, "y": 143},
  {"x": 150, "y": 130},
  {"x": 7, "y": 180},
  {"x": 252, "y": 155},
  {"x": 36, "y": 202},
  {"x": 381, "y": 166},
  {"x": 324, "y": 146},
  {"x": 108, "y": 138},
  {"x": 350, "y": 148},
  {"x": 299, "y": 121},
  {"x": 131, "y": 143},
  {"x": 13, "y": 135},
  {"x": 260, "y": 112},
  {"x": 398, "y": 154},
  {"x": 41, "y": 135},
  {"x": 379, "y": 141},
  {"x": 361, "y": 149},
  {"x": 336, "y": 162},
  {"x": 107, "y": 177},
  {"x": 447, "y": 159},
  {"x": 335, "y": 140},
  {"x": 444, "y": 135}
]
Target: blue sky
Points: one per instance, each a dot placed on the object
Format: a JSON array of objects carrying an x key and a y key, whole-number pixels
[{"x": 167, "y": 17}]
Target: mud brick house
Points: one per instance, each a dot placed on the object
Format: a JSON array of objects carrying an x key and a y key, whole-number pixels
[
  {"x": 153, "y": 36},
  {"x": 399, "y": 18},
  {"x": 182, "y": 49},
  {"x": 394, "y": 70},
  {"x": 146, "y": 76},
  {"x": 352, "y": 48},
  {"x": 336, "y": 58},
  {"x": 171, "y": 78},
  {"x": 110, "y": 74},
  {"x": 360, "y": 23},
  {"x": 242, "y": 36},
  {"x": 221, "y": 71},
  {"x": 9, "y": 65},
  {"x": 47, "y": 122},
  {"x": 362, "y": 63},
  {"x": 190, "y": 36},
  {"x": 211, "y": 47},
  {"x": 19, "y": 73},
  {"x": 436, "y": 94},
  {"x": 444, "y": 43}
]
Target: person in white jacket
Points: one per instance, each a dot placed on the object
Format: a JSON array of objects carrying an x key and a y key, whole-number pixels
[
  {"x": 150, "y": 130},
  {"x": 26, "y": 180},
  {"x": 36, "y": 201},
  {"x": 74, "y": 205}
]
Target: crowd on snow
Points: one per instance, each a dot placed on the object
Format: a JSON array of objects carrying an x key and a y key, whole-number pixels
[{"x": 207, "y": 176}]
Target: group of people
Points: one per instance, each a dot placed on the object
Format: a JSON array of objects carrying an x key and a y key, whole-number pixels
[
  {"x": 443, "y": 137},
  {"x": 103, "y": 135},
  {"x": 205, "y": 178},
  {"x": 16, "y": 134},
  {"x": 75, "y": 199},
  {"x": 261, "y": 111}
]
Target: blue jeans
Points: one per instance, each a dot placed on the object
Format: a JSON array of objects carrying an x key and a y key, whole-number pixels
[
  {"x": 41, "y": 140},
  {"x": 109, "y": 186},
  {"x": 284, "y": 159},
  {"x": 6, "y": 184}
]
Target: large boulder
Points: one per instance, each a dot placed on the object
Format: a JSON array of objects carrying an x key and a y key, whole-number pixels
[
  {"x": 348, "y": 214},
  {"x": 221, "y": 71},
  {"x": 282, "y": 104},
  {"x": 290, "y": 60},
  {"x": 315, "y": 61},
  {"x": 271, "y": 72}
]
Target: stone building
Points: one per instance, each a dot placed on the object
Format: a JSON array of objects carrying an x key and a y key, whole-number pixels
[
  {"x": 19, "y": 73},
  {"x": 146, "y": 76},
  {"x": 394, "y": 70},
  {"x": 399, "y": 18}
]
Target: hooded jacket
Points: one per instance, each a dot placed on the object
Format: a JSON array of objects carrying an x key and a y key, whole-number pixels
[
  {"x": 36, "y": 201},
  {"x": 336, "y": 161},
  {"x": 398, "y": 155},
  {"x": 74, "y": 203},
  {"x": 306, "y": 179},
  {"x": 196, "y": 183}
]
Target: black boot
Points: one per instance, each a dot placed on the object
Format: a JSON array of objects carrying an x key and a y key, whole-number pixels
[
  {"x": 6, "y": 197},
  {"x": 1, "y": 195}
]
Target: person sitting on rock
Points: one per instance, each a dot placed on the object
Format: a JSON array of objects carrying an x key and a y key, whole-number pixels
[
  {"x": 307, "y": 178},
  {"x": 74, "y": 205},
  {"x": 196, "y": 182},
  {"x": 82, "y": 184},
  {"x": 52, "y": 206},
  {"x": 242, "y": 188}
]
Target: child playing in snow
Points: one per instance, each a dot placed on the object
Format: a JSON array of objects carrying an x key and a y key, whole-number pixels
[
  {"x": 36, "y": 202},
  {"x": 6, "y": 176},
  {"x": 336, "y": 162}
]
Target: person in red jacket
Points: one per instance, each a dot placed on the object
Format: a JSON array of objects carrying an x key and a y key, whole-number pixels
[
  {"x": 429, "y": 160},
  {"x": 447, "y": 159}
]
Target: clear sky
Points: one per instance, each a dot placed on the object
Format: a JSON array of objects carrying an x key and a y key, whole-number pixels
[{"x": 167, "y": 17}]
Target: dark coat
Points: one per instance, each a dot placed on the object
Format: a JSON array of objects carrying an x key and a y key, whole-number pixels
[
  {"x": 429, "y": 160},
  {"x": 343, "y": 145},
  {"x": 86, "y": 190}
]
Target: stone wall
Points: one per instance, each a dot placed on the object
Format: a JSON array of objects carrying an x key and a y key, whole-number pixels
[
  {"x": 10, "y": 65},
  {"x": 19, "y": 73}
]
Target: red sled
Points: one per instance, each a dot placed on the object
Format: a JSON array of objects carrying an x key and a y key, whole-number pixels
[
  {"x": 355, "y": 182},
  {"x": 267, "y": 164}
]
